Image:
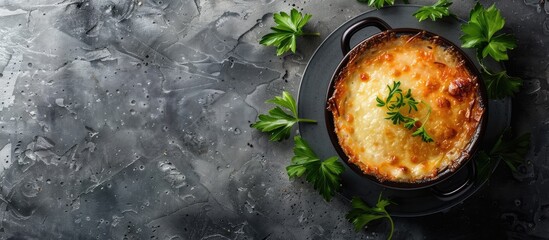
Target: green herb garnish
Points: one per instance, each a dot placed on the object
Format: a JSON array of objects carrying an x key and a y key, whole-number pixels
[
  {"x": 324, "y": 175},
  {"x": 501, "y": 85},
  {"x": 480, "y": 33},
  {"x": 511, "y": 151},
  {"x": 482, "y": 162},
  {"x": 361, "y": 214},
  {"x": 288, "y": 28},
  {"x": 421, "y": 130},
  {"x": 395, "y": 101},
  {"x": 378, "y": 3},
  {"x": 279, "y": 123},
  {"x": 438, "y": 10}
]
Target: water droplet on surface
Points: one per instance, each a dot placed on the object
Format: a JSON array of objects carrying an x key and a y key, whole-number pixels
[
  {"x": 60, "y": 102},
  {"x": 173, "y": 175},
  {"x": 249, "y": 207}
]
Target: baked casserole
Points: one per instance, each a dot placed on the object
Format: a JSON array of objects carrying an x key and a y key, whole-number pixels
[{"x": 437, "y": 75}]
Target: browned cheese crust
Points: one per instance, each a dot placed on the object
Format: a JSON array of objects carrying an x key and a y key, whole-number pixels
[{"x": 437, "y": 75}]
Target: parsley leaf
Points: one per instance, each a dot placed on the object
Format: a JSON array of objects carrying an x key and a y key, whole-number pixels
[
  {"x": 421, "y": 130},
  {"x": 361, "y": 214},
  {"x": 279, "y": 123},
  {"x": 378, "y": 3},
  {"x": 410, "y": 123},
  {"x": 511, "y": 151},
  {"x": 396, "y": 117},
  {"x": 288, "y": 28},
  {"x": 324, "y": 175},
  {"x": 423, "y": 134},
  {"x": 480, "y": 33},
  {"x": 434, "y": 12},
  {"x": 395, "y": 101},
  {"x": 482, "y": 162},
  {"x": 412, "y": 103},
  {"x": 501, "y": 85}
]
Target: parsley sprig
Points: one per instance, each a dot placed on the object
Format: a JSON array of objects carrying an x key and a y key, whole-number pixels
[
  {"x": 378, "y": 3},
  {"x": 285, "y": 33},
  {"x": 278, "y": 122},
  {"x": 395, "y": 101},
  {"x": 421, "y": 130},
  {"x": 324, "y": 175},
  {"x": 438, "y": 10},
  {"x": 500, "y": 85},
  {"x": 481, "y": 32},
  {"x": 361, "y": 214},
  {"x": 511, "y": 151}
]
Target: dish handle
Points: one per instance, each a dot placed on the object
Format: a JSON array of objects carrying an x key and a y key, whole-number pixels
[
  {"x": 367, "y": 22},
  {"x": 449, "y": 194}
]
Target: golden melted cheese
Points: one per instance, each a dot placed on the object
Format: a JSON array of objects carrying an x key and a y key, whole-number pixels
[{"x": 437, "y": 76}]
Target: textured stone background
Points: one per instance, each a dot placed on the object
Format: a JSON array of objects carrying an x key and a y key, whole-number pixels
[{"x": 131, "y": 119}]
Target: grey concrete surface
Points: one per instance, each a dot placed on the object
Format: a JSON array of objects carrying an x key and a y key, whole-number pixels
[{"x": 130, "y": 119}]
